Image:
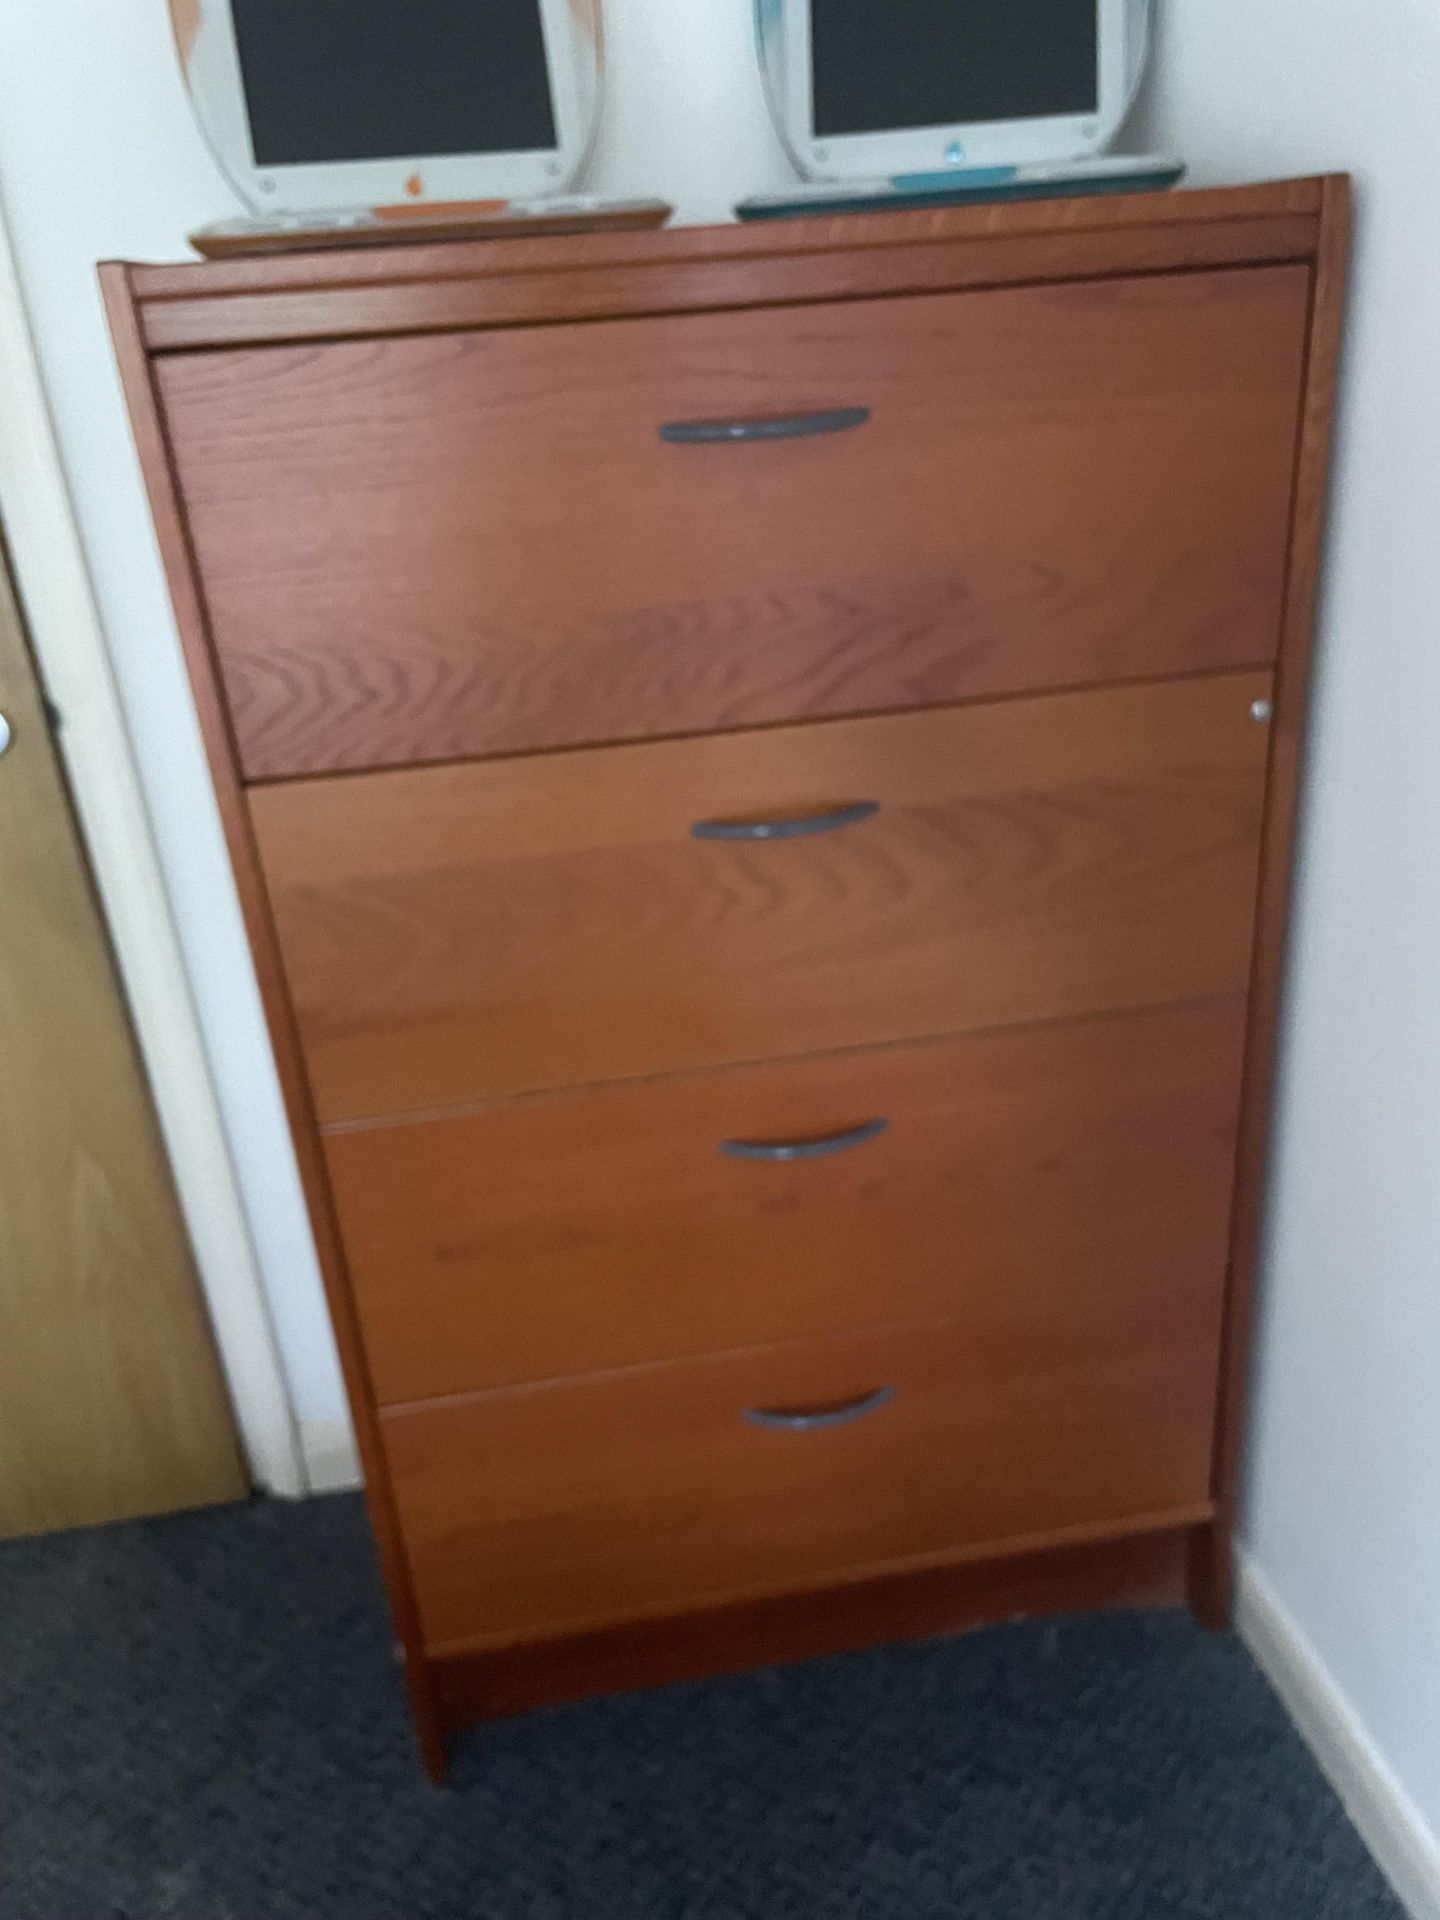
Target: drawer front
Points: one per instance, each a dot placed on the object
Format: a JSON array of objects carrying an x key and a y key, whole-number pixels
[
  {"x": 454, "y": 934},
  {"x": 649, "y": 1222},
  {"x": 444, "y": 546},
  {"x": 583, "y": 1501}
]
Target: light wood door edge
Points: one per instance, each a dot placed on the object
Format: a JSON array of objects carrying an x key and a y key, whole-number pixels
[
  {"x": 111, "y": 1399},
  {"x": 70, "y": 647}
]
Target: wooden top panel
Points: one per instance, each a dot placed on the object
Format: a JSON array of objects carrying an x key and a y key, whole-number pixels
[
  {"x": 452, "y": 259},
  {"x": 515, "y": 282}
]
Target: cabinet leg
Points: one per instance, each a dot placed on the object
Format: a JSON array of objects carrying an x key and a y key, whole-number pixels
[
  {"x": 426, "y": 1719},
  {"x": 1210, "y": 1578}
]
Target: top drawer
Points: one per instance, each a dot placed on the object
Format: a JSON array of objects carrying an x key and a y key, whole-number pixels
[{"x": 441, "y": 546}]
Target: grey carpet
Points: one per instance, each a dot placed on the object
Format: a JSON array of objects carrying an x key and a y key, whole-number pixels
[{"x": 200, "y": 1718}]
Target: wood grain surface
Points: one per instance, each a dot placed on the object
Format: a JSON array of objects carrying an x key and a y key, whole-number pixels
[
  {"x": 369, "y": 292},
  {"x": 567, "y": 1234},
  {"x": 398, "y": 532},
  {"x": 619, "y": 1494},
  {"x": 461, "y": 933},
  {"x": 358, "y": 308},
  {"x": 473, "y": 543},
  {"x": 1149, "y": 215},
  {"x": 1103, "y": 1569},
  {"x": 111, "y": 1399},
  {"x": 136, "y": 373}
]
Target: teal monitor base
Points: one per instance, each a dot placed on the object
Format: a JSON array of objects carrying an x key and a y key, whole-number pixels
[{"x": 1116, "y": 174}]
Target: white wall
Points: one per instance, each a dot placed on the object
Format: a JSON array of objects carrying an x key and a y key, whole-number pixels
[
  {"x": 100, "y": 158},
  {"x": 686, "y": 117},
  {"x": 1343, "y": 1513}
]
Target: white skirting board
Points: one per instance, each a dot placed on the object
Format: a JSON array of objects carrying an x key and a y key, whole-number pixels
[
  {"x": 1388, "y": 1821},
  {"x": 331, "y": 1463}
]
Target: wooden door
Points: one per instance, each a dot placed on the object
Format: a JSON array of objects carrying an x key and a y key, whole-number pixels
[{"x": 111, "y": 1399}]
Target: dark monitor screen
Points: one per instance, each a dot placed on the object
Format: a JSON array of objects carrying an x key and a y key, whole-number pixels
[
  {"x": 880, "y": 65},
  {"x": 331, "y": 80}
]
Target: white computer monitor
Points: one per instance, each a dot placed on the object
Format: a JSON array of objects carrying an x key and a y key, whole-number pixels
[
  {"x": 314, "y": 105},
  {"x": 863, "y": 88}
]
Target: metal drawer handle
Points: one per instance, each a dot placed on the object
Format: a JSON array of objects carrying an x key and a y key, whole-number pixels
[
  {"x": 783, "y": 1151},
  {"x": 793, "y": 426},
  {"x": 817, "y": 1419},
  {"x": 798, "y": 829}
]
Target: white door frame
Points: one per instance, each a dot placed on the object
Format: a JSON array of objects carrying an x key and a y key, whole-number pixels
[{"x": 65, "y": 631}]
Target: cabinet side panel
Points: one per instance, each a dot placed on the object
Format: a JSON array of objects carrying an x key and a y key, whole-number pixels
[
  {"x": 153, "y": 449},
  {"x": 1211, "y": 1571}
]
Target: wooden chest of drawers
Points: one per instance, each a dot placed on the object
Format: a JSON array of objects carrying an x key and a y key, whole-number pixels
[{"x": 760, "y": 767}]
